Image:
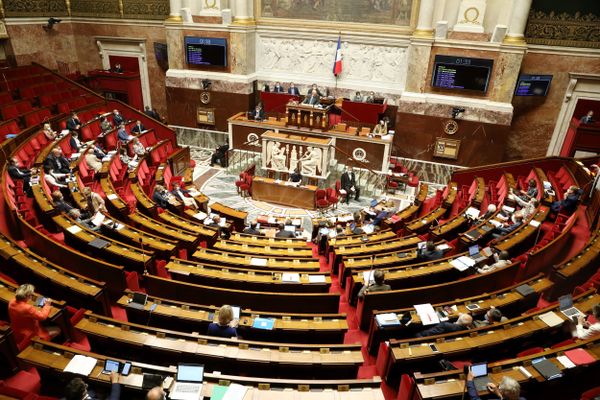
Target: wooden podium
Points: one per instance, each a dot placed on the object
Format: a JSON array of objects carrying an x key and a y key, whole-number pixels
[{"x": 304, "y": 115}]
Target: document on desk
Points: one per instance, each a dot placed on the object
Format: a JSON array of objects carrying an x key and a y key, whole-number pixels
[
  {"x": 551, "y": 319},
  {"x": 293, "y": 277},
  {"x": 462, "y": 263},
  {"x": 81, "y": 365},
  {"x": 427, "y": 314},
  {"x": 235, "y": 391},
  {"x": 200, "y": 216},
  {"x": 316, "y": 278},
  {"x": 258, "y": 262},
  {"x": 112, "y": 196},
  {"x": 74, "y": 229}
]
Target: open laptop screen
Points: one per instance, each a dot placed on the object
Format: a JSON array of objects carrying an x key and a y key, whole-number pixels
[
  {"x": 190, "y": 373},
  {"x": 565, "y": 301},
  {"x": 479, "y": 370},
  {"x": 474, "y": 250}
]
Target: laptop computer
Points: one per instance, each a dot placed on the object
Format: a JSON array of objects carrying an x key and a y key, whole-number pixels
[
  {"x": 188, "y": 383},
  {"x": 475, "y": 254},
  {"x": 138, "y": 301},
  {"x": 151, "y": 380},
  {"x": 480, "y": 376},
  {"x": 565, "y": 303}
]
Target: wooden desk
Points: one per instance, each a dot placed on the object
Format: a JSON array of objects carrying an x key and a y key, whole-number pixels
[
  {"x": 271, "y": 191},
  {"x": 288, "y": 327},
  {"x": 242, "y": 238},
  {"x": 238, "y": 217},
  {"x": 307, "y": 115},
  {"x": 158, "y": 228},
  {"x": 240, "y": 260},
  {"x": 52, "y": 358},
  {"x": 262, "y": 251}
]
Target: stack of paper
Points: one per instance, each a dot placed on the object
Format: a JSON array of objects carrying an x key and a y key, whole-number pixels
[
  {"x": 551, "y": 319},
  {"x": 235, "y": 392},
  {"x": 200, "y": 216},
  {"x": 112, "y": 196},
  {"x": 81, "y": 365},
  {"x": 290, "y": 277},
  {"x": 427, "y": 314},
  {"x": 316, "y": 278},
  {"x": 387, "y": 319},
  {"x": 259, "y": 262},
  {"x": 462, "y": 263},
  {"x": 472, "y": 213}
]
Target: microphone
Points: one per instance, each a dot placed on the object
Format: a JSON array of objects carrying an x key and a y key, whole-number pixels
[
  {"x": 466, "y": 372},
  {"x": 143, "y": 256}
]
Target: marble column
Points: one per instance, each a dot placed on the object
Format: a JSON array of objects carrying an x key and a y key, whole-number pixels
[
  {"x": 243, "y": 12},
  {"x": 175, "y": 13},
  {"x": 518, "y": 22},
  {"x": 425, "y": 22}
]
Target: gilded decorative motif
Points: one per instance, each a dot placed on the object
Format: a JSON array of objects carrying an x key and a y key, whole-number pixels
[
  {"x": 95, "y": 8},
  {"x": 145, "y": 9},
  {"x": 35, "y": 8},
  {"x": 563, "y": 29},
  {"x": 389, "y": 12}
]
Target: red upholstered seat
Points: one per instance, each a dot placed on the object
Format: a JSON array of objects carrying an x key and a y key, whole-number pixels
[
  {"x": 528, "y": 352},
  {"x": 26, "y": 381},
  {"x": 321, "y": 199},
  {"x": 332, "y": 197},
  {"x": 246, "y": 187},
  {"x": 591, "y": 394},
  {"x": 407, "y": 388}
]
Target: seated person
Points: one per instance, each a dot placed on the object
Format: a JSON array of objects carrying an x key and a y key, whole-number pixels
[
  {"x": 381, "y": 128},
  {"x": 528, "y": 207},
  {"x": 568, "y": 204},
  {"x": 258, "y": 113},
  {"x": 293, "y": 90},
  {"x": 356, "y": 226},
  {"x": 73, "y": 123},
  {"x": 509, "y": 388},
  {"x": 349, "y": 185},
  {"x": 252, "y": 230},
  {"x": 148, "y": 111},
  {"x": 584, "y": 328},
  {"x": 92, "y": 161},
  {"x": 225, "y": 327},
  {"x": 105, "y": 124},
  {"x": 266, "y": 88},
  {"x": 131, "y": 162},
  {"x": 282, "y": 233},
  {"x": 357, "y": 97},
  {"x": 370, "y": 98},
  {"x": 55, "y": 180},
  {"x": 122, "y": 134},
  {"x": 25, "y": 318},
  {"x": 339, "y": 230},
  {"x": 57, "y": 162},
  {"x": 531, "y": 191},
  {"x": 75, "y": 143},
  {"x": 508, "y": 228},
  {"x": 587, "y": 118},
  {"x": 184, "y": 196},
  {"x": 95, "y": 202},
  {"x": 77, "y": 389},
  {"x": 491, "y": 317},
  {"x": 296, "y": 177},
  {"x": 161, "y": 196},
  {"x": 60, "y": 203},
  {"x": 219, "y": 156},
  {"x": 378, "y": 284},
  {"x": 83, "y": 219},
  {"x": 429, "y": 252},
  {"x": 216, "y": 222},
  {"x": 463, "y": 322},
  {"x": 118, "y": 69},
  {"x": 117, "y": 118},
  {"x": 49, "y": 133},
  {"x": 138, "y": 127},
  {"x": 491, "y": 209},
  {"x": 312, "y": 88},
  {"x": 138, "y": 148},
  {"x": 312, "y": 99},
  {"x": 18, "y": 173},
  {"x": 500, "y": 260},
  {"x": 278, "y": 88},
  {"x": 156, "y": 393}
]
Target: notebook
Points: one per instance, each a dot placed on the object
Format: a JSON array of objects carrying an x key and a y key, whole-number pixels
[
  {"x": 99, "y": 243},
  {"x": 474, "y": 234},
  {"x": 565, "y": 304},
  {"x": 580, "y": 356},
  {"x": 546, "y": 368},
  {"x": 188, "y": 384},
  {"x": 480, "y": 376},
  {"x": 525, "y": 290},
  {"x": 387, "y": 319}
]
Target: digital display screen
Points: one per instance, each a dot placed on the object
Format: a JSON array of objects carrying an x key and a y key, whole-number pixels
[
  {"x": 461, "y": 73},
  {"x": 533, "y": 85},
  {"x": 206, "y": 51}
]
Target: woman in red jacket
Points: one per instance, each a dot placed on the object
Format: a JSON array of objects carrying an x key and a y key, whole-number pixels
[{"x": 25, "y": 317}]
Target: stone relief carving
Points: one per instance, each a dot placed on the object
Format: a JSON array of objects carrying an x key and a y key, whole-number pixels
[{"x": 314, "y": 57}]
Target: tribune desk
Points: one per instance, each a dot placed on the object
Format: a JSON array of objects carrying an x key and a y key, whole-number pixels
[{"x": 278, "y": 192}]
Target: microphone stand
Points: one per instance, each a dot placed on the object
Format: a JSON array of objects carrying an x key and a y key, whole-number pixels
[
  {"x": 143, "y": 256},
  {"x": 466, "y": 372}
]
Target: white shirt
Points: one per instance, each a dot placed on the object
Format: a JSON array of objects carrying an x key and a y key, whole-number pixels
[{"x": 583, "y": 333}]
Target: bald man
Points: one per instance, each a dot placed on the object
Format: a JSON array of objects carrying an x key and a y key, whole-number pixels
[{"x": 156, "y": 393}]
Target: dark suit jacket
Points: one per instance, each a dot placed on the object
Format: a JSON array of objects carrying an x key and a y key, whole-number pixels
[
  {"x": 442, "y": 327},
  {"x": 348, "y": 180},
  {"x": 293, "y": 90},
  {"x": 118, "y": 119},
  {"x": 138, "y": 129},
  {"x": 310, "y": 91},
  {"x": 251, "y": 231},
  {"x": 505, "y": 230},
  {"x": 568, "y": 204},
  {"x": 184, "y": 193},
  {"x": 260, "y": 115},
  {"x": 296, "y": 177},
  {"x": 123, "y": 135},
  {"x": 285, "y": 234},
  {"x": 18, "y": 173},
  {"x": 115, "y": 393},
  {"x": 278, "y": 89},
  {"x": 160, "y": 199},
  {"x": 312, "y": 100},
  {"x": 73, "y": 144},
  {"x": 63, "y": 206},
  {"x": 72, "y": 123},
  {"x": 60, "y": 164},
  {"x": 99, "y": 153},
  {"x": 431, "y": 255}
]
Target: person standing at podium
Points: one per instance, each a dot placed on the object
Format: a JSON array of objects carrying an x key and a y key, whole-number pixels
[
  {"x": 293, "y": 90},
  {"x": 348, "y": 183},
  {"x": 313, "y": 99},
  {"x": 296, "y": 177},
  {"x": 258, "y": 114}
]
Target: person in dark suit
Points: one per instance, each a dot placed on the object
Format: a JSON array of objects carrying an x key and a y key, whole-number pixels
[
  {"x": 148, "y": 111},
  {"x": 266, "y": 88},
  {"x": 98, "y": 151},
  {"x": 278, "y": 88},
  {"x": 568, "y": 204},
  {"x": 293, "y": 90},
  {"x": 18, "y": 173},
  {"x": 370, "y": 98},
  {"x": 296, "y": 176},
  {"x": 161, "y": 196},
  {"x": 258, "y": 113},
  {"x": 60, "y": 203},
  {"x": 184, "y": 196},
  {"x": 348, "y": 184},
  {"x": 117, "y": 118},
  {"x": 138, "y": 127},
  {"x": 314, "y": 87},
  {"x": 219, "y": 156},
  {"x": 118, "y": 69},
  {"x": 463, "y": 322},
  {"x": 226, "y": 325},
  {"x": 251, "y": 230},
  {"x": 505, "y": 230},
  {"x": 73, "y": 123},
  {"x": 122, "y": 134},
  {"x": 74, "y": 142},
  {"x": 587, "y": 118},
  {"x": 357, "y": 97},
  {"x": 429, "y": 252},
  {"x": 57, "y": 162},
  {"x": 313, "y": 98},
  {"x": 283, "y": 233},
  {"x": 77, "y": 389}
]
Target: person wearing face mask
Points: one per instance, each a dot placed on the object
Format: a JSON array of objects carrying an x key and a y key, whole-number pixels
[{"x": 77, "y": 389}]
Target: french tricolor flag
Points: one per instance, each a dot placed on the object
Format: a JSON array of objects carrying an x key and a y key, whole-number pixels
[{"x": 337, "y": 65}]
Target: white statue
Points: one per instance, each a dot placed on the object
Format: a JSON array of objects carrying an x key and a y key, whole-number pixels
[
  {"x": 276, "y": 156},
  {"x": 311, "y": 161},
  {"x": 293, "y": 159}
]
